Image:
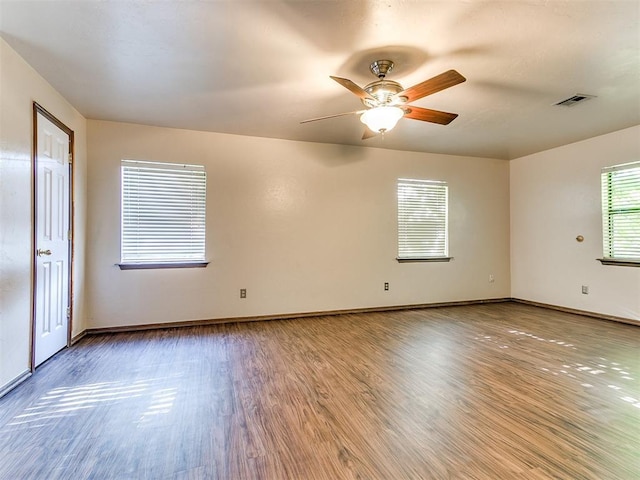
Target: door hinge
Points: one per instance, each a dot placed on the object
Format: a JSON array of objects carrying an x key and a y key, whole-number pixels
[
  {"x": 68, "y": 312},
  {"x": 70, "y": 235},
  {"x": 70, "y": 158}
]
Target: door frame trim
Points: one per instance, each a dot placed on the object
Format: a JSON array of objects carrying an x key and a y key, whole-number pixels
[{"x": 38, "y": 109}]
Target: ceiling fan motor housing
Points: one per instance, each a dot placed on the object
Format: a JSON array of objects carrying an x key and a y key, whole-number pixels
[{"x": 382, "y": 91}]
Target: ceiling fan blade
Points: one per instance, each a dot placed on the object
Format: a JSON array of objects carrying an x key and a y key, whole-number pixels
[
  {"x": 368, "y": 133},
  {"x": 333, "y": 116},
  {"x": 433, "y": 85},
  {"x": 352, "y": 87},
  {"x": 427, "y": 115}
]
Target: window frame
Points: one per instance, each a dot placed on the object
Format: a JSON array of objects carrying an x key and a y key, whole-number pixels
[
  {"x": 611, "y": 212},
  {"x": 405, "y": 229},
  {"x": 191, "y": 178}
]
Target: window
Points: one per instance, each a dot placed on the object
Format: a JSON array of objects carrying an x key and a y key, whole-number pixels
[
  {"x": 621, "y": 213},
  {"x": 422, "y": 220},
  {"x": 163, "y": 215}
]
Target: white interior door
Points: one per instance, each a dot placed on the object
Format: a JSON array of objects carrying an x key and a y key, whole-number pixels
[{"x": 52, "y": 241}]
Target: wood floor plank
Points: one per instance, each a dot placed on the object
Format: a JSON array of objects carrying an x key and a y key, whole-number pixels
[{"x": 495, "y": 391}]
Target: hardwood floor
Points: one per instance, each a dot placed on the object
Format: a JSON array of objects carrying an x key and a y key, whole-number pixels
[{"x": 496, "y": 391}]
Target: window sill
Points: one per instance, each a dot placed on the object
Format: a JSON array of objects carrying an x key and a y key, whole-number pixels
[
  {"x": 149, "y": 266},
  {"x": 428, "y": 259},
  {"x": 619, "y": 262}
]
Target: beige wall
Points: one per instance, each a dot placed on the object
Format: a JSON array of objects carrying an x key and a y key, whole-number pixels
[
  {"x": 555, "y": 196},
  {"x": 20, "y": 85},
  {"x": 303, "y": 227}
]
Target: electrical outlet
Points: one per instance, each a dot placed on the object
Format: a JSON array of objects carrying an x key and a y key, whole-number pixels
[
  {"x": 386, "y": 285},
  {"x": 243, "y": 293},
  {"x": 492, "y": 279},
  {"x": 585, "y": 289}
]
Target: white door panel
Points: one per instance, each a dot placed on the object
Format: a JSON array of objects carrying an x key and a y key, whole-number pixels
[{"x": 52, "y": 240}]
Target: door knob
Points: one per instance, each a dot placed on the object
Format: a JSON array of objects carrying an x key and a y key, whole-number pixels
[{"x": 41, "y": 252}]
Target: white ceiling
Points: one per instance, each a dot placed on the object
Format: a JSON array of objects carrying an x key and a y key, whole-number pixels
[{"x": 259, "y": 67}]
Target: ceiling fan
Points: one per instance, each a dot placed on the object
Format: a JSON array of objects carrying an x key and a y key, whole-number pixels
[{"x": 387, "y": 101}]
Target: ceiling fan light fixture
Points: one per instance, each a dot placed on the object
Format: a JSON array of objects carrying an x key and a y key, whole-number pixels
[{"x": 381, "y": 119}]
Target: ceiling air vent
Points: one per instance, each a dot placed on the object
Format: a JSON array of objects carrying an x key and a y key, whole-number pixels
[{"x": 577, "y": 98}]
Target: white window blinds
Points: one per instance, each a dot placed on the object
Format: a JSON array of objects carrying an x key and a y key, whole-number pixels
[
  {"x": 422, "y": 219},
  {"x": 163, "y": 212},
  {"x": 621, "y": 211}
]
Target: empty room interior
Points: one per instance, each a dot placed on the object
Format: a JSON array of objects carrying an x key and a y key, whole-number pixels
[{"x": 270, "y": 239}]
